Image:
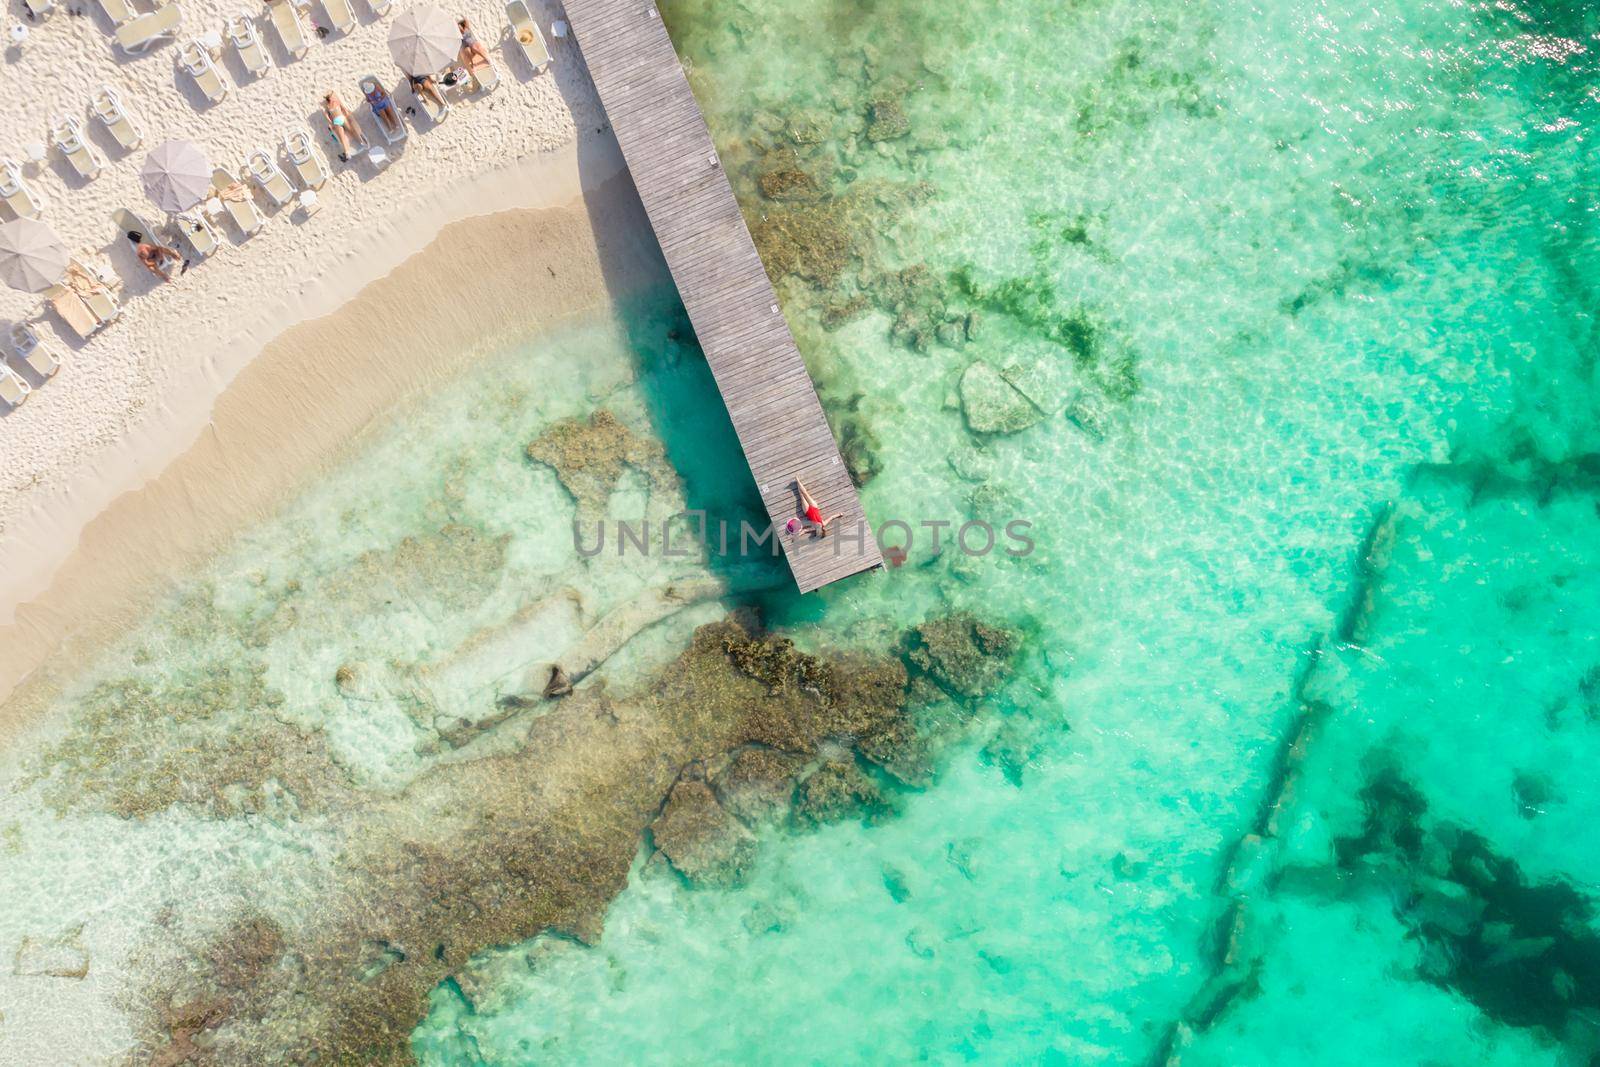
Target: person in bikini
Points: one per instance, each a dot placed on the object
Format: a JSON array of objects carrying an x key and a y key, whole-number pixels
[
  {"x": 812, "y": 512},
  {"x": 344, "y": 128},
  {"x": 155, "y": 257},
  {"x": 473, "y": 54}
]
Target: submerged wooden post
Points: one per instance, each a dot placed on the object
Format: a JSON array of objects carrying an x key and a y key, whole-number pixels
[{"x": 722, "y": 283}]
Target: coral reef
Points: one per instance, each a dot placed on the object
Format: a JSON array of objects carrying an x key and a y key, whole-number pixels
[
  {"x": 990, "y": 404},
  {"x": 837, "y": 790},
  {"x": 211, "y": 745},
  {"x": 541, "y": 837},
  {"x": 962, "y": 653},
  {"x": 705, "y": 843},
  {"x": 590, "y": 456}
]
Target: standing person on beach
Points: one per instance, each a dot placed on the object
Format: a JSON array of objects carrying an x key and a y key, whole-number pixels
[
  {"x": 813, "y": 513},
  {"x": 343, "y": 125},
  {"x": 154, "y": 256}
]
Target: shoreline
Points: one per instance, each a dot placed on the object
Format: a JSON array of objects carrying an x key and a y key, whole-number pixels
[{"x": 274, "y": 403}]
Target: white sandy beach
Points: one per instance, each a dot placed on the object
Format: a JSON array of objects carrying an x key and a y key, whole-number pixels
[{"x": 86, "y": 524}]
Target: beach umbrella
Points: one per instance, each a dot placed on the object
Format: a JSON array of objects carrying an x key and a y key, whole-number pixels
[
  {"x": 177, "y": 175},
  {"x": 424, "y": 40},
  {"x": 32, "y": 257}
]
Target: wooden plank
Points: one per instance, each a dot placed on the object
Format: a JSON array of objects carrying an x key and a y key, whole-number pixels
[{"x": 722, "y": 282}]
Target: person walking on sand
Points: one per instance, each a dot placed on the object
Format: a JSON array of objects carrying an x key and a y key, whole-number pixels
[
  {"x": 349, "y": 135},
  {"x": 154, "y": 256},
  {"x": 812, "y": 512}
]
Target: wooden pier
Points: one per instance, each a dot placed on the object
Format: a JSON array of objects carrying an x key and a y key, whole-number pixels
[{"x": 722, "y": 284}]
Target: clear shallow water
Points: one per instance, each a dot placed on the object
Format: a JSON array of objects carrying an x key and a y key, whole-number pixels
[{"x": 1283, "y": 280}]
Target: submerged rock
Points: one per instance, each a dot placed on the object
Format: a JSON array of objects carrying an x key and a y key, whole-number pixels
[
  {"x": 788, "y": 183},
  {"x": 757, "y": 784},
  {"x": 860, "y": 448},
  {"x": 559, "y": 684},
  {"x": 886, "y": 120},
  {"x": 590, "y": 457},
  {"x": 990, "y": 404},
  {"x": 57, "y": 957},
  {"x": 837, "y": 790},
  {"x": 963, "y": 654},
  {"x": 705, "y": 844}
]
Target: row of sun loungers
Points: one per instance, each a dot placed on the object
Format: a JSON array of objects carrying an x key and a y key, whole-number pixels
[{"x": 83, "y": 299}]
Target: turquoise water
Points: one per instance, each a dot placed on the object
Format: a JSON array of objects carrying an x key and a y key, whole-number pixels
[
  {"x": 1276, "y": 322},
  {"x": 1299, "y": 295}
]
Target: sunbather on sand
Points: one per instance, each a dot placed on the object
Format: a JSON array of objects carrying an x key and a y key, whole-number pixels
[
  {"x": 344, "y": 127},
  {"x": 473, "y": 54},
  {"x": 154, "y": 256},
  {"x": 382, "y": 104},
  {"x": 424, "y": 85}
]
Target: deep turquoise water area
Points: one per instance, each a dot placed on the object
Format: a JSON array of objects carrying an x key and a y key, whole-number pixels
[{"x": 1300, "y": 300}]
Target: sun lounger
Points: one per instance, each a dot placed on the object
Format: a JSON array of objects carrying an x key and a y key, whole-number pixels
[
  {"x": 25, "y": 343},
  {"x": 83, "y": 301},
  {"x": 13, "y": 390},
  {"x": 525, "y": 32},
  {"x": 307, "y": 162},
  {"x": 38, "y": 9},
  {"x": 270, "y": 177},
  {"x": 66, "y": 133},
  {"x": 129, "y": 222},
  {"x": 291, "y": 31},
  {"x": 141, "y": 32},
  {"x": 195, "y": 58},
  {"x": 241, "y": 31},
  {"x": 108, "y": 108},
  {"x": 436, "y": 114},
  {"x": 14, "y": 190},
  {"x": 198, "y": 233},
  {"x": 380, "y": 7},
  {"x": 236, "y": 201},
  {"x": 118, "y": 11},
  {"x": 340, "y": 15},
  {"x": 97, "y": 296},
  {"x": 486, "y": 76}
]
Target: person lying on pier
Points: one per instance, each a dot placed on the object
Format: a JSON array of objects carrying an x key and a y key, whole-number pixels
[
  {"x": 154, "y": 257},
  {"x": 473, "y": 54},
  {"x": 813, "y": 513}
]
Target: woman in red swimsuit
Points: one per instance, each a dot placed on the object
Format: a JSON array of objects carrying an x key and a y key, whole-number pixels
[{"x": 812, "y": 512}]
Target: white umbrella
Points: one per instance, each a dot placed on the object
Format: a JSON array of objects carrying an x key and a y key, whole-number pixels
[
  {"x": 424, "y": 40},
  {"x": 177, "y": 175},
  {"x": 32, "y": 257}
]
